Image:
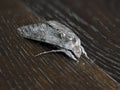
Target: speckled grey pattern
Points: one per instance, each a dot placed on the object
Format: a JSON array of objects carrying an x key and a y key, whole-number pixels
[{"x": 57, "y": 34}]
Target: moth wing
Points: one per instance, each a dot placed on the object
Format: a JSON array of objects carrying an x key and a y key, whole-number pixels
[
  {"x": 41, "y": 32},
  {"x": 51, "y": 32}
]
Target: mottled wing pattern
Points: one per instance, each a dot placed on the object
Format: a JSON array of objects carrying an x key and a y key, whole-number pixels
[{"x": 50, "y": 32}]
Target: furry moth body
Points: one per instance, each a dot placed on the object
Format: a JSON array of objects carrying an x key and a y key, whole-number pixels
[{"x": 57, "y": 34}]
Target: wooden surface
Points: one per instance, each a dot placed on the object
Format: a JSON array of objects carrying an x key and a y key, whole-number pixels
[{"x": 95, "y": 22}]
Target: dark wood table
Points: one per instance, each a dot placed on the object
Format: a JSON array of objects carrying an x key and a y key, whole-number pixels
[{"x": 97, "y": 24}]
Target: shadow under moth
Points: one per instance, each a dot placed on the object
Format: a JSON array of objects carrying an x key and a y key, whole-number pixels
[{"x": 56, "y": 34}]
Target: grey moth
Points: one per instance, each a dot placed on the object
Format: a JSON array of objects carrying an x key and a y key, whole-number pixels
[{"x": 56, "y": 34}]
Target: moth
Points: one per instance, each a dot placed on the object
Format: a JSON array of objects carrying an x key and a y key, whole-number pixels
[{"x": 57, "y": 34}]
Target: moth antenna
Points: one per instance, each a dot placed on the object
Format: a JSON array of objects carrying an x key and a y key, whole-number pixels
[{"x": 47, "y": 52}]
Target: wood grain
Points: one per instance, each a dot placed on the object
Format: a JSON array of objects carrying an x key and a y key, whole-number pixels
[
  {"x": 97, "y": 23},
  {"x": 91, "y": 21}
]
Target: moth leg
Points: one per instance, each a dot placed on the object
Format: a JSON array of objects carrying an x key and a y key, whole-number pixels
[
  {"x": 67, "y": 52},
  {"x": 84, "y": 52}
]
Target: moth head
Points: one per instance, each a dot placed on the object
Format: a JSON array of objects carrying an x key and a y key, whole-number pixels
[
  {"x": 77, "y": 51},
  {"x": 74, "y": 45}
]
